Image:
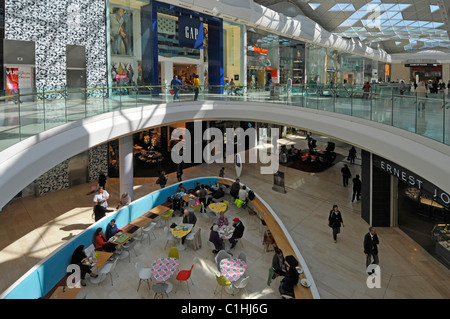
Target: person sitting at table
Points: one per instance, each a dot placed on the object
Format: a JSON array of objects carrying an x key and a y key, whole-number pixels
[
  {"x": 288, "y": 283},
  {"x": 125, "y": 200},
  {"x": 181, "y": 189},
  {"x": 197, "y": 187},
  {"x": 215, "y": 239},
  {"x": 217, "y": 193},
  {"x": 188, "y": 218},
  {"x": 222, "y": 219},
  {"x": 100, "y": 242},
  {"x": 278, "y": 263},
  {"x": 235, "y": 187},
  {"x": 238, "y": 232},
  {"x": 242, "y": 195},
  {"x": 112, "y": 229},
  {"x": 77, "y": 259}
]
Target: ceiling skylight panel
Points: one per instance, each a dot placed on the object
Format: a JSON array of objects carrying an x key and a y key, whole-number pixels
[
  {"x": 433, "y": 8},
  {"x": 314, "y": 6}
]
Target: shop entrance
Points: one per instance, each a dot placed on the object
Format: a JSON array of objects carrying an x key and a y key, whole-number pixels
[
  {"x": 185, "y": 72},
  {"x": 418, "y": 215},
  {"x": 426, "y": 74}
]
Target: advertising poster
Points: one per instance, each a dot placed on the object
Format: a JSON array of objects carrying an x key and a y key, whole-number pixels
[
  {"x": 278, "y": 182},
  {"x": 121, "y": 31},
  {"x": 12, "y": 80}
]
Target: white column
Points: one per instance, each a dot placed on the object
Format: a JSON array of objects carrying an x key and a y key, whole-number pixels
[
  {"x": 166, "y": 72},
  {"x": 126, "y": 165}
]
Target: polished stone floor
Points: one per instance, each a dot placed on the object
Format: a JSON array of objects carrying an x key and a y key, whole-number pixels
[{"x": 35, "y": 226}]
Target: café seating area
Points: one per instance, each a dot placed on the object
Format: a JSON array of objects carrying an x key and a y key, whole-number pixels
[{"x": 156, "y": 264}]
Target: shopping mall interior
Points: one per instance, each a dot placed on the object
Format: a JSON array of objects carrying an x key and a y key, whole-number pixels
[{"x": 94, "y": 92}]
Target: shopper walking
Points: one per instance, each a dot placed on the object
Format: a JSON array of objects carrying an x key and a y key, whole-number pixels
[
  {"x": 175, "y": 84},
  {"x": 370, "y": 249},
  {"x": 335, "y": 221},
  {"x": 346, "y": 174},
  {"x": 180, "y": 171},
  {"x": 356, "y": 188},
  {"x": 351, "y": 155},
  {"x": 196, "y": 87},
  {"x": 366, "y": 89}
]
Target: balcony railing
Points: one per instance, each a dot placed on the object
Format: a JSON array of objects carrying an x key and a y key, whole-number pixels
[{"x": 28, "y": 112}]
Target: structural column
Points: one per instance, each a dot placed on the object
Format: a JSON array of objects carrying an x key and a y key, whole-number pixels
[{"x": 126, "y": 165}]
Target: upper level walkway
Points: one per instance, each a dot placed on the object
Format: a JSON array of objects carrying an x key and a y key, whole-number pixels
[
  {"x": 385, "y": 124},
  {"x": 29, "y": 113}
]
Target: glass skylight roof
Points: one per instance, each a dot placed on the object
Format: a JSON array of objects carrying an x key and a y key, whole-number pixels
[
  {"x": 376, "y": 21},
  {"x": 314, "y": 6},
  {"x": 343, "y": 7}
]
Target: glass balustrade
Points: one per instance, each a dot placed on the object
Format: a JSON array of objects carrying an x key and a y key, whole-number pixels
[{"x": 31, "y": 111}]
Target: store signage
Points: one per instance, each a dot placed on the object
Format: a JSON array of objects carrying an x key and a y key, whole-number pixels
[
  {"x": 258, "y": 50},
  {"x": 420, "y": 65},
  {"x": 412, "y": 179},
  {"x": 190, "y": 32}
]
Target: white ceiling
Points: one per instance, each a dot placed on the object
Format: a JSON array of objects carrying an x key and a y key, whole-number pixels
[{"x": 397, "y": 26}]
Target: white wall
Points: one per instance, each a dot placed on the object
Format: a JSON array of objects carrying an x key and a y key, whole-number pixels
[{"x": 23, "y": 162}]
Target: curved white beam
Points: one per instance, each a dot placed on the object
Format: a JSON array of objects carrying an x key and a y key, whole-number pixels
[{"x": 25, "y": 161}]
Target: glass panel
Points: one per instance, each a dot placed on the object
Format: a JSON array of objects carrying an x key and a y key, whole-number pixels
[{"x": 9, "y": 119}]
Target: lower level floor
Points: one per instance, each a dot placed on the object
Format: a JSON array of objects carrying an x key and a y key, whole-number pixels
[{"x": 33, "y": 227}]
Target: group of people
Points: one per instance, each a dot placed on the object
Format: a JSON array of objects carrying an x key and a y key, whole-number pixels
[
  {"x": 370, "y": 242},
  {"x": 176, "y": 85},
  {"x": 285, "y": 267},
  {"x": 101, "y": 199},
  {"x": 215, "y": 238},
  {"x": 101, "y": 243}
]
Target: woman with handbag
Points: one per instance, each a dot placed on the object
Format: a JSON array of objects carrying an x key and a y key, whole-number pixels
[{"x": 335, "y": 221}]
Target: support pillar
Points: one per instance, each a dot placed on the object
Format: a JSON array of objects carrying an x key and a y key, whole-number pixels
[{"x": 126, "y": 165}]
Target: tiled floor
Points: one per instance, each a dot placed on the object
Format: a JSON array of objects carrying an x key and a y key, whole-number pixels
[{"x": 36, "y": 226}]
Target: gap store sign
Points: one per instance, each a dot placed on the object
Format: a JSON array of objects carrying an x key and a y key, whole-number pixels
[
  {"x": 190, "y": 32},
  {"x": 412, "y": 179}
]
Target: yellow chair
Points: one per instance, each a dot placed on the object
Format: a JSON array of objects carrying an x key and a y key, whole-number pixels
[
  {"x": 173, "y": 253},
  {"x": 226, "y": 203},
  {"x": 167, "y": 216},
  {"x": 222, "y": 282},
  {"x": 197, "y": 207}
]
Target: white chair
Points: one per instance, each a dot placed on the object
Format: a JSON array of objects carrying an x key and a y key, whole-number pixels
[
  {"x": 149, "y": 228},
  {"x": 221, "y": 255},
  {"x": 195, "y": 237},
  {"x": 126, "y": 248},
  {"x": 169, "y": 235},
  {"x": 144, "y": 274},
  {"x": 241, "y": 284},
  {"x": 107, "y": 268}
]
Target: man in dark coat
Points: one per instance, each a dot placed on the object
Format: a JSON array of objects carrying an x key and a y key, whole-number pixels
[
  {"x": 356, "y": 188},
  {"x": 102, "y": 180},
  {"x": 235, "y": 187},
  {"x": 238, "y": 232},
  {"x": 100, "y": 211},
  {"x": 370, "y": 248},
  {"x": 346, "y": 174}
]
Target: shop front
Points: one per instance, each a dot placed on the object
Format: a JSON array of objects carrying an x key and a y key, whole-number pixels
[
  {"x": 401, "y": 198},
  {"x": 150, "y": 42},
  {"x": 262, "y": 59}
]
